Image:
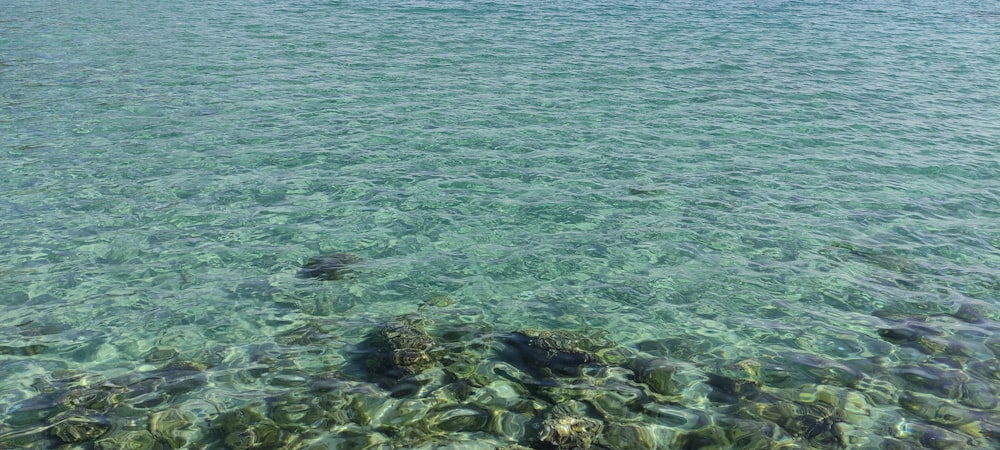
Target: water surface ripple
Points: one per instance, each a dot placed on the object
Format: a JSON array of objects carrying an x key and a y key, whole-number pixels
[{"x": 801, "y": 196}]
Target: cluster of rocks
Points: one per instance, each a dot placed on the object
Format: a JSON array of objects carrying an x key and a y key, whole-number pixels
[
  {"x": 132, "y": 411},
  {"x": 414, "y": 383}
]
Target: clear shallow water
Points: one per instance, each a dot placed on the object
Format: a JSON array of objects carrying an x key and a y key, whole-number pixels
[{"x": 749, "y": 190}]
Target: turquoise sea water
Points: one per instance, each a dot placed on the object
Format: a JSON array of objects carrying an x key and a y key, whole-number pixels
[{"x": 767, "y": 224}]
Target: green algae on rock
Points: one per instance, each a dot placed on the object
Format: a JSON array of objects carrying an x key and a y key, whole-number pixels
[
  {"x": 568, "y": 432},
  {"x": 398, "y": 352}
]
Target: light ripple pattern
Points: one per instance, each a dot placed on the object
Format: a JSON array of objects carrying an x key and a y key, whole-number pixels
[{"x": 799, "y": 197}]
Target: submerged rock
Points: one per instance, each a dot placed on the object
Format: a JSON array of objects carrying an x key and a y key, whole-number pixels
[
  {"x": 99, "y": 398},
  {"x": 745, "y": 433},
  {"x": 398, "y": 353},
  {"x": 248, "y": 429},
  {"x": 657, "y": 374},
  {"x": 709, "y": 437},
  {"x": 73, "y": 428},
  {"x": 645, "y": 191},
  {"x": 555, "y": 352},
  {"x": 840, "y": 251},
  {"x": 457, "y": 419},
  {"x": 571, "y": 432},
  {"x": 634, "y": 436},
  {"x": 817, "y": 422},
  {"x": 119, "y": 439},
  {"x": 173, "y": 427},
  {"x": 314, "y": 332},
  {"x": 822, "y": 416},
  {"x": 89, "y": 410},
  {"x": 732, "y": 390},
  {"x": 160, "y": 355},
  {"x": 409, "y": 345},
  {"x": 330, "y": 267},
  {"x": 151, "y": 389},
  {"x": 300, "y": 412},
  {"x": 439, "y": 301},
  {"x": 931, "y": 339},
  {"x": 821, "y": 369},
  {"x": 939, "y": 438}
]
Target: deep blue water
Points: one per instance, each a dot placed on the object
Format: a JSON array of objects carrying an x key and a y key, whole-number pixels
[{"x": 801, "y": 197}]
